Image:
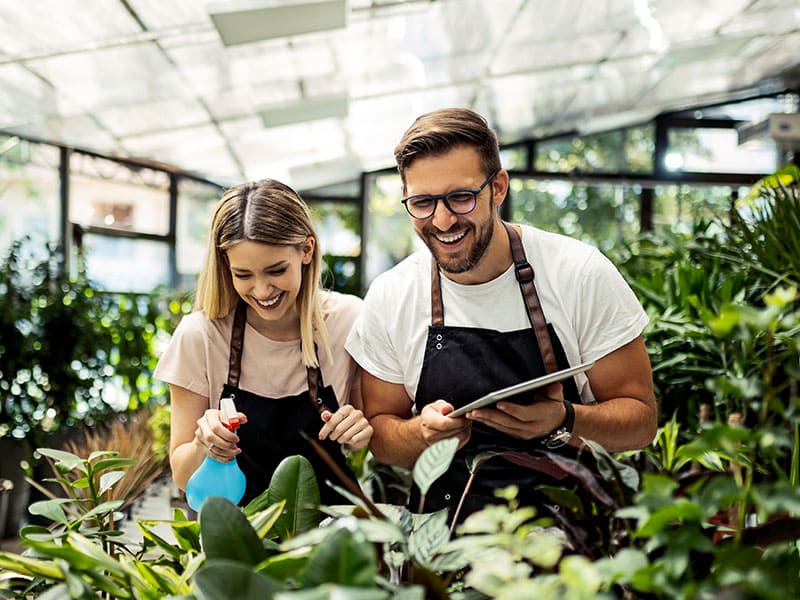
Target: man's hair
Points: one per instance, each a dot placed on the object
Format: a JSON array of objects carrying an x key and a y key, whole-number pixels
[
  {"x": 266, "y": 212},
  {"x": 437, "y": 132}
]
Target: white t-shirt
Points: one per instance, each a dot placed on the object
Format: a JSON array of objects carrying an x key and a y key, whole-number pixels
[
  {"x": 197, "y": 356},
  {"x": 583, "y": 295}
]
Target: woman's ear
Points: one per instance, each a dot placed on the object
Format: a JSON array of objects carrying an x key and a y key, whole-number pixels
[{"x": 308, "y": 250}]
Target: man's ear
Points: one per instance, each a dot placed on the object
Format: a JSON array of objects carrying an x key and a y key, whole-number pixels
[{"x": 500, "y": 187}]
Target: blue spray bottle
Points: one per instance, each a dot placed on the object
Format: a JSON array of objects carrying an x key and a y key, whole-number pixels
[{"x": 215, "y": 478}]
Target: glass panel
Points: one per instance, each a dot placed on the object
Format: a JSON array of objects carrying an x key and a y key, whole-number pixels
[
  {"x": 680, "y": 208},
  {"x": 346, "y": 189},
  {"x": 338, "y": 226},
  {"x": 125, "y": 265},
  {"x": 196, "y": 204},
  {"x": 390, "y": 236},
  {"x": 600, "y": 215},
  {"x": 625, "y": 150},
  {"x": 29, "y": 192},
  {"x": 515, "y": 157},
  {"x": 104, "y": 193},
  {"x": 718, "y": 151}
]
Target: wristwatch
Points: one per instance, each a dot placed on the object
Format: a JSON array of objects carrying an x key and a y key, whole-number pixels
[{"x": 562, "y": 434}]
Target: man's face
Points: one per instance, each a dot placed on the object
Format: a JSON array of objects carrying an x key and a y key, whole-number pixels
[{"x": 457, "y": 242}]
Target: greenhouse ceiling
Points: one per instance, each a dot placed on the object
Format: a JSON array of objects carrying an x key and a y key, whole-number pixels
[{"x": 315, "y": 92}]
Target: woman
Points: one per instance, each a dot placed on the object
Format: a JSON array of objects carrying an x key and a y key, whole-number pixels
[{"x": 264, "y": 333}]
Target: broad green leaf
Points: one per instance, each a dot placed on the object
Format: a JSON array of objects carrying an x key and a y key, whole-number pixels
[
  {"x": 228, "y": 580},
  {"x": 33, "y": 567},
  {"x": 55, "y": 550},
  {"x": 285, "y": 565},
  {"x": 227, "y": 534},
  {"x": 187, "y": 534},
  {"x": 38, "y": 533},
  {"x": 76, "y": 587},
  {"x": 778, "y": 497},
  {"x": 103, "y": 509},
  {"x": 622, "y": 566},
  {"x": 428, "y": 539},
  {"x": 51, "y": 509},
  {"x": 257, "y": 504},
  {"x": 681, "y": 511},
  {"x": 295, "y": 482},
  {"x": 265, "y": 520},
  {"x": 94, "y": 552},
  {"x": 434, "y": 462},
  {"x": 98, "y": 453},
  {"x": 66, "y": 459},
  {"x": 163, "y": 580},
  {"x": 381, "y": 531},
  {"x": 192, "y": 566},
  {"x": 580, "y": 575},
  {"x": 475, "y": 461},
  {"x": 148, "y": 534},
  {"x": 345, "y": 558},
  {"x": 610, "y": 468},
  {"x": 107, "y": 481},
  {"x": 308, "y": 539}
]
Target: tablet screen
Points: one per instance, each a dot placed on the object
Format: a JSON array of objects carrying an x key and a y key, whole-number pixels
[{"x": 524, "y": 386}]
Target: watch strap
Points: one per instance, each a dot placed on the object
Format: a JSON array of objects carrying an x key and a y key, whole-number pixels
[
  {"x": 569, "y": 418},
  {"x": 562, "y": 434}
]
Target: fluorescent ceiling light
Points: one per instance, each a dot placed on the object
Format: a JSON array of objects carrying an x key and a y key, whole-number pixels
[
  {"x": 310, "y": 109},
  {"x": 255, "y": 20}
]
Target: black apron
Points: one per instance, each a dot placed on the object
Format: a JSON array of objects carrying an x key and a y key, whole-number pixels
[
  {"x": 463, "y": 363},
  {"x": 273, "y": 425}
]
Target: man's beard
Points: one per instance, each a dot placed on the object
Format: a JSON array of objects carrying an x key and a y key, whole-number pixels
[{"x": 483, "y": 237}]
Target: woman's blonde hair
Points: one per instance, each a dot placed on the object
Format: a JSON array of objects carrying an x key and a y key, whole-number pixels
[{"x": 267, "y": 212}]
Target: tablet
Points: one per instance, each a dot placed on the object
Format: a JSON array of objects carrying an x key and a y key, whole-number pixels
[{"x": 518, "y": 388}]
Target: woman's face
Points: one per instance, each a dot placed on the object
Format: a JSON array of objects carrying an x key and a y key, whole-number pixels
[{"x": 268, "y": 277}]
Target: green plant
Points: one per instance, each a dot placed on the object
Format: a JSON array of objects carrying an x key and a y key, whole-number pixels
[
  {"x": 132, "y": 435},
  {"x": 69, "y": 353},
  {"x": 766, "y": 234},
  {"x": 714, "y": 513},
  {"x": 83, "y": 552}
]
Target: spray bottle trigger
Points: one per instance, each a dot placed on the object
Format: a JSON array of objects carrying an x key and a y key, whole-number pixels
[{"x": 230, "y": 417}]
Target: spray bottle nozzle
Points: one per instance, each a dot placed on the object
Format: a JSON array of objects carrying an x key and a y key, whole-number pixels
[{"x": 230, "y": 418}]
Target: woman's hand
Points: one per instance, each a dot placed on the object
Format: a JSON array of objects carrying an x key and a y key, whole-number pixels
[
  {"x": 214, "y": 439},
  {"x": 348, "y": 426}
]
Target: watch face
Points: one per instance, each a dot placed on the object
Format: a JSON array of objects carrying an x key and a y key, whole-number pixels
[{"x": 557, "y": 439}]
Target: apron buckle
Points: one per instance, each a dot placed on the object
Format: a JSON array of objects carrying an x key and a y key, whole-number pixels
[{"x": 523, "y": 271}]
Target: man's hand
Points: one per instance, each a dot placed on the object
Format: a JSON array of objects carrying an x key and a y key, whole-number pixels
[
  {"x": 525, "y": 422},
  {"x": 436, "y": 425}
]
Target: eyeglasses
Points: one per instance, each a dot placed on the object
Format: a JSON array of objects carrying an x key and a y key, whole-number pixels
[{"x": 458, "y": 202}]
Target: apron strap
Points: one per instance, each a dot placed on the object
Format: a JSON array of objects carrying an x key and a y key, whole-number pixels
[
  {"x": 237, "y": 342},
  {"x": 437, "y": 305},
  {"x": 315, "y": 384},
  {"x": 525, "y": 275}
]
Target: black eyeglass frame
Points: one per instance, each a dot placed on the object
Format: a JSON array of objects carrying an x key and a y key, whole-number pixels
[{"x": 443, "y": 197}]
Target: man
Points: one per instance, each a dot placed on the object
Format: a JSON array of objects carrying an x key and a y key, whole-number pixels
[{"x": 489, "y": 306}]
